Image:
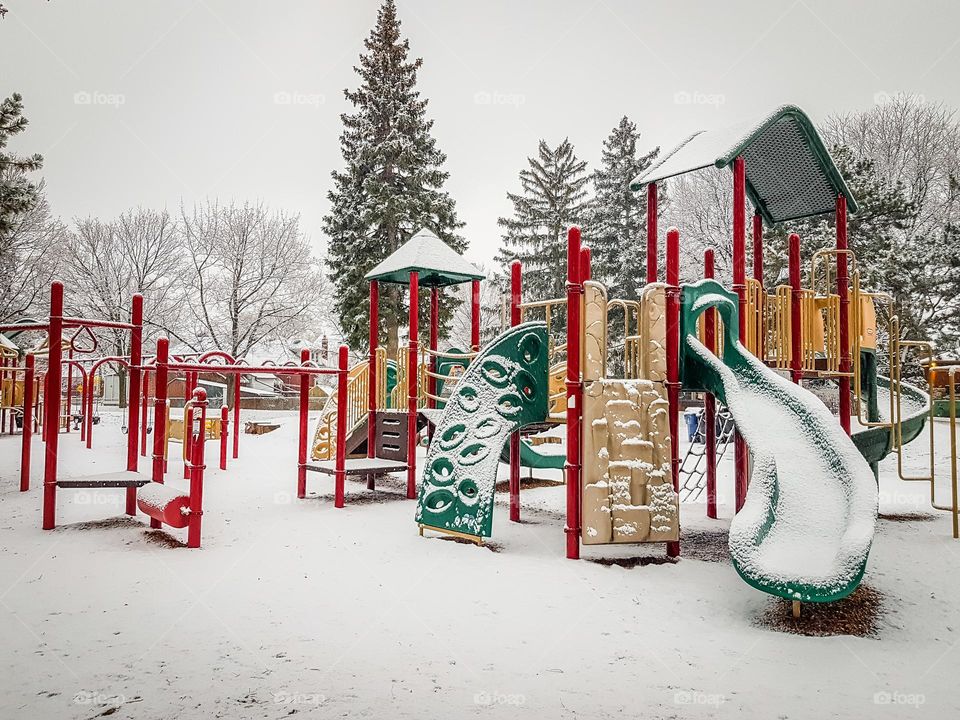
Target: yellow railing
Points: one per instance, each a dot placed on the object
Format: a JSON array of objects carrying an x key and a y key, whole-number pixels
[
  {"x": 449, "y": 380},
  {"x": 548, "y": 307},
  {"x": 754, "y": 324}
]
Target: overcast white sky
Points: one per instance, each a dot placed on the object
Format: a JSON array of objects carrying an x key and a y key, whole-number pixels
[{"x": 162, "y": 102}]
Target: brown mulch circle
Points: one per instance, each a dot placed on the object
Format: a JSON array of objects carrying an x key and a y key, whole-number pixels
[
  {"x": 373, "y": 497},
  {"x": 632, "y": 562},
  {"x": 123, "y": 521},
  {"x": 163, "y": 539},
  {"x": 858, "y": 614},
  {"x": 907, "y": 517},
  {"x": 527, "y": 483},
  {"x": 705, "y": 545}
]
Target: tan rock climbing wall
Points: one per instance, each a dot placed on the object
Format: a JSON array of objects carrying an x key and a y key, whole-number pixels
[
  {"x": 653, "y": 331},
  {"x": 627, "y": 493},
  {"x": 594, "y": 365}
]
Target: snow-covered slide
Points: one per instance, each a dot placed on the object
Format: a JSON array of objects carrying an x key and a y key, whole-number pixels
[{"x": 805, "y": 529}]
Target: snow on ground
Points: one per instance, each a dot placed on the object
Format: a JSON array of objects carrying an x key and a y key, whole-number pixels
[{"x": 296, "y": 608}]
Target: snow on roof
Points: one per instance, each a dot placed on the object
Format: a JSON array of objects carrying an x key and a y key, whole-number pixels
[
  {"x": 436, "y": 262},
  {"x": 7, "y": 342},
  {"x": 789, "y": 173}
]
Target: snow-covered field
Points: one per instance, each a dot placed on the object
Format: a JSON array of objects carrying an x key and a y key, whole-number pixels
[{"x": 296, "y": 608}]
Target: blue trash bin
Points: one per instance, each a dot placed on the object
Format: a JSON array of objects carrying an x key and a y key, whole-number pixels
[{"x": 692, "y": 419}]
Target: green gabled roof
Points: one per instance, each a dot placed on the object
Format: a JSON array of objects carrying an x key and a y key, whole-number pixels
[
  {"x": 790, "y": 174},
  {"x": 436, "y": 263}
]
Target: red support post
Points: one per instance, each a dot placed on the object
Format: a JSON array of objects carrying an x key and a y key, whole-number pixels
[
  {"x": 709, "y": 401},
  {"x": 133, "y": 403},
  {"x": 843, "y": 290},
  {"x": 144, "y": 396},
  {"x": 475, "y": 315},
  {"x": 160, "y": 414},
  {"x": 304, "y": 422},
  {"x": 434, "y": 331},
  {"x": 188, "y": 384},
  {"x": 197, "y": 466},
  {"x": 224, "y": 433},
  {"x": 69, "y": 408},
  {"x": 673, "y": 361},
  {"x": 516, "y": 297},
  {"x": 88, "y": 407},
  {"x": 796, "y": 329},
  {"x": 412, "y": 378},
  {"x": 741, "y": 456},
  {"x": 236, "y": 417},
  {"x": 54, "y": 391},
  {"x": 28, "y": 386},
  {"x": 372, "y": 375},
  {"x": 652, "y": 269},
  {"x": 574, "y": 393},
  {"x": 341, "y": 459}
]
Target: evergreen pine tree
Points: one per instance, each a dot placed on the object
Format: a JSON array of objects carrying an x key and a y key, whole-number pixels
[
  {"x": 617, "y": 219},
  {"x": 553, "y": 196},
  {"x": 17, "y": 193},
  {"x": 391, "y": 185}
]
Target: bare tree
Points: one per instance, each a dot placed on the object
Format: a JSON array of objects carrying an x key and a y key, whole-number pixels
[
  {"x": 700, "y": 204},
  {"x": 251, "y": 277},
  {"x": 28, "y": 253},
  {"x": 107, "y": 262}
]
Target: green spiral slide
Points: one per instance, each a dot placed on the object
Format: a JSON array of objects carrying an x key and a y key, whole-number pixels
[{"x": 805, "y": 530}]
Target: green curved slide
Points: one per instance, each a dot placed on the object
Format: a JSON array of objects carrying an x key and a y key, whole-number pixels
[
  {"x": 805, "y": 530},
  {"x": 503, "y": 389}
]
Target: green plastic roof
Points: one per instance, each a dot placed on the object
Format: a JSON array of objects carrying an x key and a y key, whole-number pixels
[
  {"x": 790, "y": 174},
  {"x": 436, "y": 263}
]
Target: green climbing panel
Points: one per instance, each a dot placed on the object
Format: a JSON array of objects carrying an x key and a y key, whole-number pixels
[{"x": 503, "y": 389}]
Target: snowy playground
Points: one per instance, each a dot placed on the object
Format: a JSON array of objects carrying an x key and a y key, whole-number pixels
[
  {"x": 300, "y": 606},
  {"x": 352, "y": 428}
]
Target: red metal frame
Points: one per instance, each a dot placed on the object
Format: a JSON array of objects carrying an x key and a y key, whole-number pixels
[
  {"x": 303, "y": 427},
  {"x": 27, "y": 436},
  {"x": 161, "y": 375},
  {"x": 224, "y": 433},
  {"x": 652, "y": 210},
  {"x": 434, "y": 332},
  {"x": 796, "y": 350},
  {"x": 709, "y": 401},
  {"x": 574, "y": 393},
  {"x": 412, "y": 372},
  {"x": 144, "y": 402},
  {"x": 52, "y": 413},
  {"x": 372, "y": 374},
  {"x": 475, "y": 315},
  {"x": 843, "y": 289},
  {"x": 516, "y": 297},
  {"x": 673, "y": 361},
  {"x": 339, "y": 474},
  {"x": 196, "y": 464}
]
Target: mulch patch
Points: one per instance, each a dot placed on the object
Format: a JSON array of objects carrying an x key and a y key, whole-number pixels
[{"x": 858, "y": 614}]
